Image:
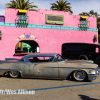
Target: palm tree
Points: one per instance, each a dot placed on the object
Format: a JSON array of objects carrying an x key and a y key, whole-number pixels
[
  {"x": 61, "y": 6},
  {"x": 91, "y": 13},
  {"x": 21, "y": 4},
  {"x": 84, "y": 14}
]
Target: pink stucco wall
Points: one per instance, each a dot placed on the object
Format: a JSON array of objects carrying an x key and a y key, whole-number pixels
[
  {"x": 39, "y": 17},
  {"x": 50, "y": 40}
]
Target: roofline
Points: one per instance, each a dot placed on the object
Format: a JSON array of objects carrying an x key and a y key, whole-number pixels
[
  {"x": 89, "y": 44},
  {"x": 41, "y": 54}
]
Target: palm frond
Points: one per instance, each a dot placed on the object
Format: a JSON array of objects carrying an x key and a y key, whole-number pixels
[
  {"x": 61, "y": 5},
  {"x": 21, "y": 4}
]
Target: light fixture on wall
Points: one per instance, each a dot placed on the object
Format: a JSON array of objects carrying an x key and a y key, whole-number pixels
[
  {"x": 0, "y": 35},
  {"x": 38, "y": 49},
  {"x": 95, "y": 38}
]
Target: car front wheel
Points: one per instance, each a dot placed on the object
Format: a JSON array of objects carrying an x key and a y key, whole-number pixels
[
  {"x": 14, "y": 74},
  {"x": 79, "y": 75}
]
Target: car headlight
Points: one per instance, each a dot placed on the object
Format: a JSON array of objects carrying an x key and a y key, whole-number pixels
[{"x": 92, "y": 71}]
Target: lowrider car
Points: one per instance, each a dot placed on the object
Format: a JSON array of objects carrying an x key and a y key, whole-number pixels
[{"x": 48, "y": 65}]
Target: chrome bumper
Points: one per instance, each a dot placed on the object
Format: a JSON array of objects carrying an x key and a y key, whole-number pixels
[{"x": 93, "y": 76}]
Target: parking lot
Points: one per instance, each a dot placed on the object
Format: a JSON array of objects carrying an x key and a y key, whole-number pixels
[{"x": 50, "y": 89}]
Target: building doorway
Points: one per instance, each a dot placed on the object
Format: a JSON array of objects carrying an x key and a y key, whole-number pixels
[{"x": 26, "y": 47}]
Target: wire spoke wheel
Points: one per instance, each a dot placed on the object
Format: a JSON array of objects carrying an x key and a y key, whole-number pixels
[
  {"x": 14, "y": 74},
  {"x": 79, "y": 75},
  {"x": 83, "y": 57}
]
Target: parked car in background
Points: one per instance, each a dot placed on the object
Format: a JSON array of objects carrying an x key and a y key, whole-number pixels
[
  {"x": 48, "y": 65},
  {"x": 81, "y": 51}
]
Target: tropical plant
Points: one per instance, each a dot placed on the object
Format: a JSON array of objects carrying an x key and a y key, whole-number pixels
[
  {"x": 93, "y": 14},
  {"x": 84, "y": 14},
  {"x": 21, "y": 4},
  {"x": 61, "y": 5}
]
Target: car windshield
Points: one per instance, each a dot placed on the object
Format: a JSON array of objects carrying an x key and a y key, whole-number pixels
[{"x": 58, "y": 58}]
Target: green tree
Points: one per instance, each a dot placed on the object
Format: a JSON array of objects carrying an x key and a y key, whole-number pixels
[
  {"x": 61, "y": 5},
  {"x": 93, "y": 14},
  {"x": 21, "y": 4},
  {"x": 84, "y": 14}
]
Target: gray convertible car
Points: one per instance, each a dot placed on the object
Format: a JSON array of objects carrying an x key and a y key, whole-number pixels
[{"x": 48, "y": 65}]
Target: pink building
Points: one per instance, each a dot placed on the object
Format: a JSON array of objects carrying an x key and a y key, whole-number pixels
[{"x": 44, "y": 30}]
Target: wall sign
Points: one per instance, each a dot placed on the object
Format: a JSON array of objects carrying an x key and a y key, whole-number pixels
[{"x": 54, "y": 19}]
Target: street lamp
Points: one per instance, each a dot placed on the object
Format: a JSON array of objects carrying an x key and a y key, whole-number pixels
[{"x": 95, "y": 38}]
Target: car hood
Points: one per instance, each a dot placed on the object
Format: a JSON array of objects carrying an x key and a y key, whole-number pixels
[
  {"x": 80, "y": 64},
  {"x": 81, "y": 61}
]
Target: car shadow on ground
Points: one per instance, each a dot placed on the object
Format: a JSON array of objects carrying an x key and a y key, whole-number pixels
[
  {"x": 83, "y": 97},
  {"x": 52, "y": 79},
  {"x": 45, "y": 79},
  {"x": 7, "y": 76},
  {"x": 71, "y": 79}
]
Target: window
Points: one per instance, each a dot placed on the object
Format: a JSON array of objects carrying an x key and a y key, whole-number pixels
[
  {"x": 21, "y": 60},
  {"x": 92, "y": 49},
  {"x": 22, "y": 17},
  {"x": 40, "y": 59},
  {"x": 58, "y": 58},
  {"x": 84, "y": 22},
  {"x": 76, "y": 48}
]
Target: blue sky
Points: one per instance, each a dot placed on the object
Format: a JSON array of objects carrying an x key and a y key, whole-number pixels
[{"x": 78, "y": 6}]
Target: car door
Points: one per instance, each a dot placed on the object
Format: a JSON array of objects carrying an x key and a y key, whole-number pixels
[
  {"x": 28, "y": 69},
  {"x": 40, "y": 68},
  {"x": 46, "y": 69},
  {"x": 63, "y": 69}
]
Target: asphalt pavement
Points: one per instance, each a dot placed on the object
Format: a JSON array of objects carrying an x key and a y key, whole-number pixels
[{"x": 50, "y": 89}]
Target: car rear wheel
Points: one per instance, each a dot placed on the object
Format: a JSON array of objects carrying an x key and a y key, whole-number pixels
[
  {"x": 14, "y": 74},
  {"x": 79, "y": 75},
  {"x": 83, "y": 57}
]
